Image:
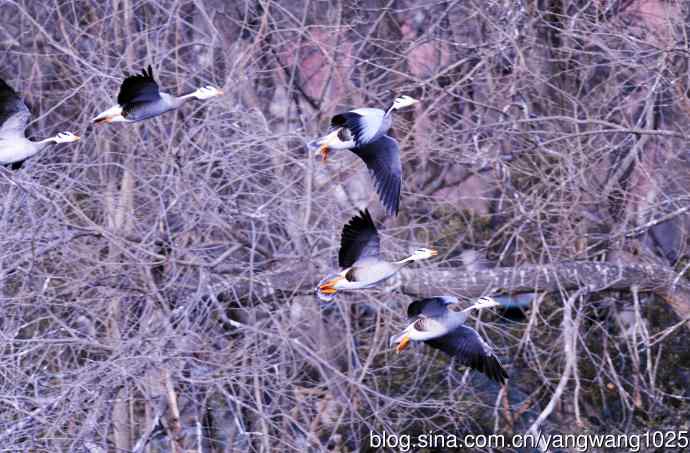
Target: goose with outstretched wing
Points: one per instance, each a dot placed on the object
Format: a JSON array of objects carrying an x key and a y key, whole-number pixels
[
  {"x": 364, "y": 132},
  {"x": 439, "y": 322},
  {"x": 140, "y": 98},
  {"x": 15, "y": 148},
  {"x": 361, "y": 260}
]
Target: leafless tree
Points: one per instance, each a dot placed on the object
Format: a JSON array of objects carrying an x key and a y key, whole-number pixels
[{"x": 158, "y": 278}]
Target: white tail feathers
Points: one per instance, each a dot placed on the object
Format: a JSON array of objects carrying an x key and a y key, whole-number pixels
[{"x": 112, "y": 115}]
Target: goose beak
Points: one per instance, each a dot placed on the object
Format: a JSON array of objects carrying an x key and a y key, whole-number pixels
[
  {"x": 433, "y": 252},
  {"x": 323, "y": 150},
  {"x": 404, "y": 342},
  {"x": 221, "y": 93},
  {"x": 329, "y": 286},
  {"x": 77, "y": 138}
]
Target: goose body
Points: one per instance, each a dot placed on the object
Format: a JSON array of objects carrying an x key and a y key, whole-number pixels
[
  {"x": 361, "y": 261},
  {"x": 440, "y": 323},
  {"x": 140, "y": 98},
  {"x": 14, "y": 117},
  {"x": 364, "y": 132}
]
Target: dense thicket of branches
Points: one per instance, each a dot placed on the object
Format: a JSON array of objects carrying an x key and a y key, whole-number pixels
[{"x": 157, "y": 278}]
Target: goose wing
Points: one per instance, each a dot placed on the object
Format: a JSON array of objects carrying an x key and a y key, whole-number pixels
[
  {"x": 471, "y": 350},
  {"x": 14, "y": 114},
  {"x": 382, "y": 158},
  {"x": 364, "y": 124},
  {"x": 139, "y": 88},
  {"x": 359, "y": 240}
]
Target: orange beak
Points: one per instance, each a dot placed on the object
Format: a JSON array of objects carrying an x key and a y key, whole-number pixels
[
  {"x": 404, "y": 342},
  {"x": 324, "y": 152},
  {"x": 329, "y": 286}
]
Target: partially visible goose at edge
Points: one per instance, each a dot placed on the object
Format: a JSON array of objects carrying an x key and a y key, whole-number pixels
[
  {"x": 140, "y": 98},
  {"x": 360, "y": 258},
  {"x": 439, "y": 322},
  {"x": 15, "y": 148}
]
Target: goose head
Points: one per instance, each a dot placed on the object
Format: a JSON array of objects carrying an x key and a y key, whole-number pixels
[
  {"x": 423, "y": 254},
  {"x": 207, "y": 92},
  {"x": 485, "y": 302},
  {"x": 403, "y": 101},
  {"x": 66, "y": 137}
]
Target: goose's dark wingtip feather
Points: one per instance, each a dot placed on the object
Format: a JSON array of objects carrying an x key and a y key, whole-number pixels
[
  {"x": 490, "y": 367},
  {"x": 140, "y": 87},
  {"x": 494, "y": 371},
  {"x": 360, "y": 221},
  {"x": 359, "y": 237},
  {"x": 5, "y": 87},
  {"x": 7, "y": 93},
  {"x": 11, "y": 104}
]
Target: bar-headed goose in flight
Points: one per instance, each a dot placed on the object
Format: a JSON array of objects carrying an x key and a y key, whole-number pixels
[
  {"x": 363, "y": 132},
  {"x": 14, "y": 117},
  {"x": 140, "y": 98},
  {"x": 360, "y": 258},
  {"x": 439, "y": 322}
]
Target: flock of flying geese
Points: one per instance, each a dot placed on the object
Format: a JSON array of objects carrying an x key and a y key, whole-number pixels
[{"x": 437, "y": 321}]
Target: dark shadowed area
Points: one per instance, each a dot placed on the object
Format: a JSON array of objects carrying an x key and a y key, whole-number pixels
[{"x": 157, "y": 278}]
